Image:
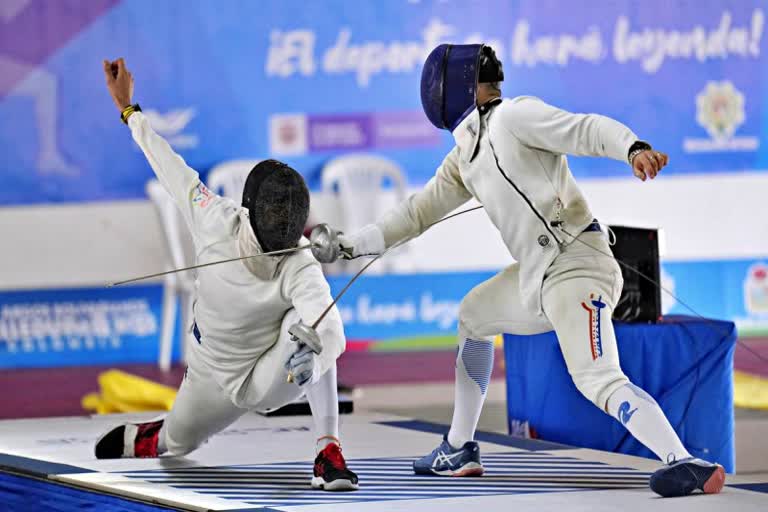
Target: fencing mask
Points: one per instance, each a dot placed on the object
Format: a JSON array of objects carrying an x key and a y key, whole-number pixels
[
  {"x": 277, "y": 201},
  {"x": 449, "y": 81}
]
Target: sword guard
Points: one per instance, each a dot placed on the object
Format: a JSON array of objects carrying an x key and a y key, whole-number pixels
[
  {"x": 325, "y": 243},
  {"x": 306, "y": 335}
]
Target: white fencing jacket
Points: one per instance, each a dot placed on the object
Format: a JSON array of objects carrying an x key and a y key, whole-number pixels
[
  {"x": 510, "y": 156},
  {"x": 238, "y": 314}
]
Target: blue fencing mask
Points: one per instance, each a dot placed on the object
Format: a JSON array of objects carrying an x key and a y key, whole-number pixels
[{"x": 449, "y": 81}]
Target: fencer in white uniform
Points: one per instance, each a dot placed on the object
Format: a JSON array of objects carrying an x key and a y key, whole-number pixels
[
  {"x": 243, "y": 310},
  {"x": 510, "y": 155}
]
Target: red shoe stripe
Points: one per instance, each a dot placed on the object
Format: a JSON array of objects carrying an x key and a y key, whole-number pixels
[{"x": 147, "y": 438}]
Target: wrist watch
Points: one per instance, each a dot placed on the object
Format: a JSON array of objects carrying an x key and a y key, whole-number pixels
[
  {"x": 127, "y": 111},
  {"x": 637, "y": 148}
]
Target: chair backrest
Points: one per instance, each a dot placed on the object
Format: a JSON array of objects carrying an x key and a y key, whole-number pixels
[
  {"x": 180, "y": 246},
  {"x": 228, "y": 178},
  {"x": 357, "y": 180}
]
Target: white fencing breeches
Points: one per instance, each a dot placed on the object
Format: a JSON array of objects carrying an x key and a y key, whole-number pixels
[
  {"x": 202, "y": 408},
  {"x": 579, "y": 293}
]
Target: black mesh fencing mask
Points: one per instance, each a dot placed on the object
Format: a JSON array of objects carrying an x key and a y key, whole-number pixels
[{"x": 277, "y": 200}]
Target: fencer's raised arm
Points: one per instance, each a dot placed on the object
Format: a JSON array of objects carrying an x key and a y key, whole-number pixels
[
  {"x": 441, "y": 195},
  {"x": 542, "y": 126},
  {"x": 180, "y": 180},
  {"x": 310, "y": 294}
]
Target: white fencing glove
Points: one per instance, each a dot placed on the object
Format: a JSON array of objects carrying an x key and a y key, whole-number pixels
[
  {"x": 368, "y": 241},
  {"x": 302, "y": 364}
]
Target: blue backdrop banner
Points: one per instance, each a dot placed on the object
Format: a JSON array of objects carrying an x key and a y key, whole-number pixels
[
  {"x": 304, "y": 81},
  {"x": 85, "y": 326}
]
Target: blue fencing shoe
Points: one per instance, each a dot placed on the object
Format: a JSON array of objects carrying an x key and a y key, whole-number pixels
[
  {"x": 445, "y": 460},
  {"x": 682, "y": 477}
]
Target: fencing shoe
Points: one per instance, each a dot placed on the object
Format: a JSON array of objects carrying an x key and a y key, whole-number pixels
[
  {"x": 682, "y": 477},
  {"x": 331, "y": 471},
  {"x": 445, "y": 460},
  {"x": 130, "y": 440}
]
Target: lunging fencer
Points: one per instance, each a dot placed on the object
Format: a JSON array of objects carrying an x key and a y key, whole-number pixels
[
  {"x": 510, "y": 155},
  {"x": 251, "y": 315}
]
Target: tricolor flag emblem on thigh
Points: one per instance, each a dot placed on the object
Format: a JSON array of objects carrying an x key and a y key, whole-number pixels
[{"x": 594, "y": 308}]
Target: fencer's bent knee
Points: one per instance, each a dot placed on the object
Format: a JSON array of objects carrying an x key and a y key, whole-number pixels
[
  {"x": 469, "y": 321},
  {"x": 597, "y": 387}
]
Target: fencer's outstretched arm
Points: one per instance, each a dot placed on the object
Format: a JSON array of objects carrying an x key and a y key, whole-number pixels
[
  {"x": 181, "y": 181},
  {"x": 542, "y": 126},
  {"x": 310, "y": 294},
  {"x": 441, "y": 195}
]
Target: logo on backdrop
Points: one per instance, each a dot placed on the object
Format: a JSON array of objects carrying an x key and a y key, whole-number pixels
[
  {"x": 299, "y": 134},
  {"x": 171, "y": 126},
  {"x": 288, "y": 134},
  {"x": 594, "y": 309},
  {"x": 521, "y": 428},
  {"x": 756, "y": 289},
  {"x": 720, "y": 111}
]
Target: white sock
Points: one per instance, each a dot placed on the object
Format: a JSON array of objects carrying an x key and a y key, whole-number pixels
[
  {"x": 642, "y": 416},
  {"x": 474, "y": 363},
  {"x": 323, "y": 399}
]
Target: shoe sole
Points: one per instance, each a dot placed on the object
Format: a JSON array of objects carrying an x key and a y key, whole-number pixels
[
  {"x": 471, "y": 469},
  {"x": 339, "y": 485},
  {"x": 715, "y": 482}
]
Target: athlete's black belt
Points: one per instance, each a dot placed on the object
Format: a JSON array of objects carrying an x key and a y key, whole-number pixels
[{"x": 196, "y": 332}]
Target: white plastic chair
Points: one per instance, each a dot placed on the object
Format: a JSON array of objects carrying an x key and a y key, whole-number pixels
[
  {"x": 179, "y": 286},
  {"x": 228, "y": 178},
  {"x": 356, "y": 181}
]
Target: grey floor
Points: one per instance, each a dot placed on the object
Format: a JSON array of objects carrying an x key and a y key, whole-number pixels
[{"x": 434, "y": 402}]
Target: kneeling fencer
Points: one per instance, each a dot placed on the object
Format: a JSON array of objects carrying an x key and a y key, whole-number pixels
[
  {"x": 250, "y": 315},
  {"x": 510, "y": 156}
]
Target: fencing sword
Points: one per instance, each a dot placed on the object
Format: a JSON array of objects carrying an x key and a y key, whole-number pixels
[
  {"x": 333, "y": 238},
  {"x": 271, "y": 253},
  {"x": 327, "y": 249}
]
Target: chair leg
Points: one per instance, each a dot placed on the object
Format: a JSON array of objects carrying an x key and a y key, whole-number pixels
[{"x": 167, "y": 327}]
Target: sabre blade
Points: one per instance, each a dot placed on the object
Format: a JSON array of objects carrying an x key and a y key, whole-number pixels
[{"x": 272, "y": 253}]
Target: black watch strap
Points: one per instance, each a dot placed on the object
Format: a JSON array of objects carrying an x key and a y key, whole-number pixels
[
  {"x": 636, "y": 148},
  {"x": 128, "y": 111}
]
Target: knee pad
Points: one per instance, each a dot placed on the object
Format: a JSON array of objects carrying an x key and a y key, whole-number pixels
[{"x": 598, "y": 385}]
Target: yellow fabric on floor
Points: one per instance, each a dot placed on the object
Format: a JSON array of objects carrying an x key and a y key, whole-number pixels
[
  {"x": 750, "y": 391},
  {"x": 123, "y": 392}
]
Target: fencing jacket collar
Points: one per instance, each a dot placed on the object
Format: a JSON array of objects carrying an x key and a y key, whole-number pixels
[{"x": 467, "y": 133}]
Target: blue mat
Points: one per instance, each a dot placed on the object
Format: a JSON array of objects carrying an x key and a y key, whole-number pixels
[{"x": 19, "y": 493}]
